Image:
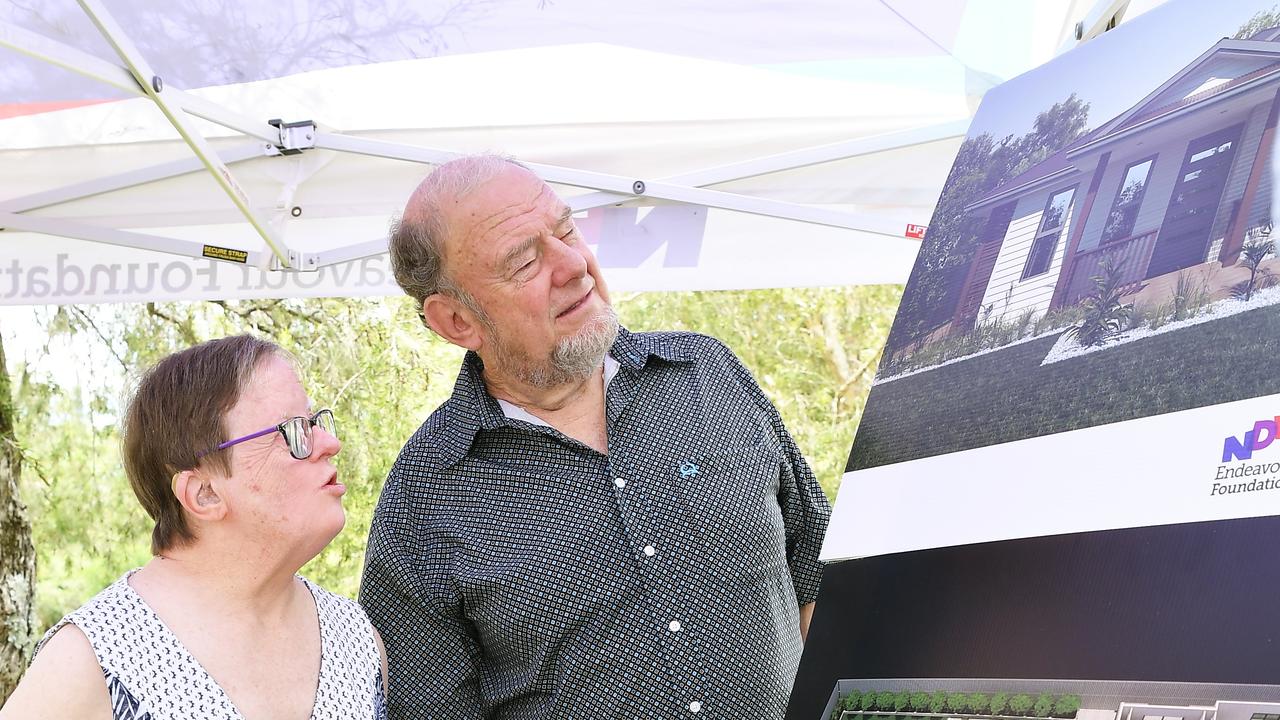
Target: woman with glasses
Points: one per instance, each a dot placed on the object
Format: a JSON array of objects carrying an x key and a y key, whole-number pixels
[{"x": 227, "y": 456}]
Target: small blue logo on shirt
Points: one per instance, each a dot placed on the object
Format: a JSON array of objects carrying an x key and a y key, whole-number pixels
[{"x": 688, "y": 470}]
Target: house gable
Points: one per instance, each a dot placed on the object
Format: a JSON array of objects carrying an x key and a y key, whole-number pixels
[{"x": 1227, "y": 64}]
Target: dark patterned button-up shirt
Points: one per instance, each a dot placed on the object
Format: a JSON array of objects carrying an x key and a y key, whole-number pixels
[{"x": 515, "y": 572}]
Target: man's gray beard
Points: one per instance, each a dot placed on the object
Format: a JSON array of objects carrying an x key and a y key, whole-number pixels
[{"x": 573, "y": 358}]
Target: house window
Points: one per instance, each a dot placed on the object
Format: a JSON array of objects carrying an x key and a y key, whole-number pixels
[
  {"x": 1051, "y": 222},
  {"x": 1124, "y": 211}
]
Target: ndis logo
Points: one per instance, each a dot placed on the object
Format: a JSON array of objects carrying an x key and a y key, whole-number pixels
[{"x": 1262, "y": 434}]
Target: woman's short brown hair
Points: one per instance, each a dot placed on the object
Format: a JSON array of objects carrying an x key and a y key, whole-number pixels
[{"x": 177, "y": 412}]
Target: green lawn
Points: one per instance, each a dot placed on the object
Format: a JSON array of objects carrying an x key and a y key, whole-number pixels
[{"x": 1005, "y": 395}]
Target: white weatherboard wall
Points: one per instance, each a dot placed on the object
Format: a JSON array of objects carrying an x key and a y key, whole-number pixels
[
  {"x": 1158, "y": 470},
  {"x": 1006, "y": 291}
]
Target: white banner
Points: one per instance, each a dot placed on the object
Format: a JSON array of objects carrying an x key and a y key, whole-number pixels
[
  {"x": 1209, "y": 463},
  {"x": 673, "y": 247}
]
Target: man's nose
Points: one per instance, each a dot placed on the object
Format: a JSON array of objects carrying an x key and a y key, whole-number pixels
[{"x": 568, "y": 264}]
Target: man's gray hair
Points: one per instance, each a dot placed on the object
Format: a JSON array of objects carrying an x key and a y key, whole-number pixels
[{"x": 417, "y": 237}]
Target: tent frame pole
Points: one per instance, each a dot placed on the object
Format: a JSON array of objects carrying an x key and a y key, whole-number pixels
[
  {"x": 153, "y": 86},
  {"x": 124, "y": 238},
  {"x": 139, "y": 78}
]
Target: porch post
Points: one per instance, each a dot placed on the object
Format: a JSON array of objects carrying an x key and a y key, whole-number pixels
[
  {"x": 1077, "y": 231},
  {"x": 1234, "y": 240}
]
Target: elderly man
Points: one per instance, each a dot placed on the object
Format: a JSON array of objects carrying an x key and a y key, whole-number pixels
[{"x": 597, "y": 523}]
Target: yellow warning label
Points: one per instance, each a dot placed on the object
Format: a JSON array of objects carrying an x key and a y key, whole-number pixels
[{"x": 221, "y": 253}]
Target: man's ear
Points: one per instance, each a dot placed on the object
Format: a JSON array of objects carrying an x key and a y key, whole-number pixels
[
  {"x": 197, "y": 495},
  {"x": 451, "y": 321}
]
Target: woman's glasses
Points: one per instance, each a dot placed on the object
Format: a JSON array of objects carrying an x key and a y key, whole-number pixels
[{"x": 296, "y": 431}]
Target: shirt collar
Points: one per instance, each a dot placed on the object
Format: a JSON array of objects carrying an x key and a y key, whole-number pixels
[{"x": 471, "y": 408}]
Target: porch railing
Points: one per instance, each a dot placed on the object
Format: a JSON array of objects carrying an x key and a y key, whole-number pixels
[{"x": 1129, "y": 256}]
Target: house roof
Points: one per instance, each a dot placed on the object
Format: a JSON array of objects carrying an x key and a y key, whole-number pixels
[{"x": 1262, "y": 44}]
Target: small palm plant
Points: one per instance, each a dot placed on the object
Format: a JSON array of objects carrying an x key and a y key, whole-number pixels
[
  {"x": 1251, "y": 256},
  {"x": 1104, "y": 315}
]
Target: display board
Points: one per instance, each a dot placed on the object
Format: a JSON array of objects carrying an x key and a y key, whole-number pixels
[{"x": 1065, "y": 484}]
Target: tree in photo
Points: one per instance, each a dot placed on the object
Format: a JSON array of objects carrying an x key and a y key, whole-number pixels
[
  {"x": 17, "y": 556},
  {"x": 982, "y": 164},
  {"x": 1262, "y": 20}
]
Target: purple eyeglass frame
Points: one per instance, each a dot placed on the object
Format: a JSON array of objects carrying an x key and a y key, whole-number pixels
[{"x": 311, "y": 422}]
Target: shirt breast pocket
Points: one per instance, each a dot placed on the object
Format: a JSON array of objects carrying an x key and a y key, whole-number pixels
[{"x": 733, "y": 493}]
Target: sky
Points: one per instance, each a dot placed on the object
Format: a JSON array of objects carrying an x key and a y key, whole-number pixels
[{"x": 1111, "y": 72}]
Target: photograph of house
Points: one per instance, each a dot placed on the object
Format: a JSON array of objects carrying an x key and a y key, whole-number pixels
[
  {"x": 1102, "y": 249},
  {"x": 1178, "y": 182}
]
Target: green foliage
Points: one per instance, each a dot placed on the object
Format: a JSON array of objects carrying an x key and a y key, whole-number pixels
[
  {"x": 1105, "y": 316},
  {"x": 988, "y": 335},
  {"x": 938, "y": 702},
  {"x": 920, "y": 701},
  {"x": 868, "y": 702},
  {"x": 851, "y": 701},
  {"x": 982, "y": 164},
  {"x": 1020, "y": 704},
  {"x": 1066, "y": 706},
  {"x": 1262, "y": 20},
  {"x": 884, "y": 700},
  {"x": 902, "y": 701},
  {"x": 1044, "y": 706},
  {"x": 1190, "y": 297},
  {"x": 978, "y": 703},
  {"x": 1251, "y": 256},
  {"x": 998, "y": 704},
  {"x": 1057, "y": 319},
  {"x": 957, "y": 702}
]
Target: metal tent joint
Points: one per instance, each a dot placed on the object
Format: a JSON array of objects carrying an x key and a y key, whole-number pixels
[
  {"x": 294, "y": 137},
  {"x": 298, "y": 262}
]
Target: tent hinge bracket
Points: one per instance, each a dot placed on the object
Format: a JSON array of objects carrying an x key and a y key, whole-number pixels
[
  {"x": 294, "y": 137},
  {"x": 298, "y": 262}
]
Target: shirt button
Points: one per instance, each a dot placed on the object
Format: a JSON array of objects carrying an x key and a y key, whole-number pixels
[
  {"x": 674, "y": 626},
  {"x": 695, "y": 706},
  {"x": 620, "y": 483},
  {"x": 649, "y": 551}
]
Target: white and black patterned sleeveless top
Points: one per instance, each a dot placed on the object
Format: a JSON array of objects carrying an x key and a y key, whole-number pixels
[{"x": 151, "y": 676}]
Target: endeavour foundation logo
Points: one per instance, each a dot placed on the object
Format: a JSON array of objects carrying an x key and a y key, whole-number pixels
[
  {"x": 1264, "y": 475},
  {"x": 1262, "y": 434}
]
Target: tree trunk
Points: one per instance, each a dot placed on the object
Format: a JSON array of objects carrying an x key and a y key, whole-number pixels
[{"x": 17, "y": 556}]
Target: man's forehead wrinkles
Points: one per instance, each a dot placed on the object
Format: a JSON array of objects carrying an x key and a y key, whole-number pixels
[{"x": 511, "y": 211}]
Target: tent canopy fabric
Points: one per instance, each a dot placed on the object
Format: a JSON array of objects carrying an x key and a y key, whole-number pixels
[{"x": 755, "y": 176}]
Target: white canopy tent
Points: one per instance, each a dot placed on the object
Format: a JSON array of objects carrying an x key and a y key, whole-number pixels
[{"x": 688, "y": 173}]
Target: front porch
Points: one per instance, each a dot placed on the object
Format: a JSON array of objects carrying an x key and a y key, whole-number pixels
[{"x": 1130, "y": 259}]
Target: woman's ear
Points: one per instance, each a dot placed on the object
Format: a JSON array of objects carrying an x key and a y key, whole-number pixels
[{"x": 196, "y": 494}]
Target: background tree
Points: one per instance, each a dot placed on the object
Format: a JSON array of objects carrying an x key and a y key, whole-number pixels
[
  {"x": 17, "y": 556},
  {"x": 812, "y": 350},
  {"x": 982, "y": 164},
  {"x": 1264, "y": 20}
]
